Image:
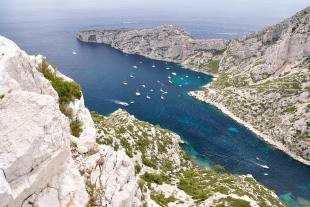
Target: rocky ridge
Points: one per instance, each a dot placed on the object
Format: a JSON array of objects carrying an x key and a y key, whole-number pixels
[
  {"x": 111, "y": 161},
  {"x": 167, "y": 42},
  {"x": 262, "y": 78}
]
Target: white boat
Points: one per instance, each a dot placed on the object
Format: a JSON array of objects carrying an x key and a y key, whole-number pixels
[
  {"x": 161, "y": 90},
  {"x": 180, "y": 85},
  {"x": 165, "y": 92},
  {"x": 148, "y": 97},
  {"x": 132, "y": 102},
  {"x": 186, "y": 76},
  {"x": 169, "y": 81},
  {"x": 135, "y": 66},
  {"x": 151, "y": 90},
  {"x": 169, "y": 76},
  {"x": 121, "y": 103},
  {"x": 158, "y": 81},
  {"x": 162, "y": 97},
  {"x": 153, "y": 66},
  {"x": 132, "y": 76},
  {"x": 138, "y": 93},
  {"x": 143, "y": 86},
  {"x": 125, "y": 83},
  {"x": 174, "y": 73},
  {"x": 265, "y": 173},
  {"x": 167, "y": 68},
  {"x": 73, "y": 52}
]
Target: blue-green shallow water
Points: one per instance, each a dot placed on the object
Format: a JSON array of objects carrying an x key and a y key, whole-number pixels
[{"x": 213, "y": 137}]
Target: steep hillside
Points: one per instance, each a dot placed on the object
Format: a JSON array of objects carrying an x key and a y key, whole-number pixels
[{"x": 264, "y": 80}]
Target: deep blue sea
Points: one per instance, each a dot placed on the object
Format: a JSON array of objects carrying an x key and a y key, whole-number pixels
[{"x": 111, "y": 79}]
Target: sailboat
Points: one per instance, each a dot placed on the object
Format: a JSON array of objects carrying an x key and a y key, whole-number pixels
[
  {"x": 148, "y": 97},
  {"x": 138, "y": 93},
  {"x": 125, "y": 83}
]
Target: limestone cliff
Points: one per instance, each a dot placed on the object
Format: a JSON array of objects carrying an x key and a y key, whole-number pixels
[
  {"x": 36, "y": 167},
  {"x": 166, "y": 42},
  {"x": 262, "y": 79}
]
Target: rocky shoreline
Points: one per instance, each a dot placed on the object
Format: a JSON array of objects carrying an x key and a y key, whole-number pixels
[{"x": 200, "y": 96}]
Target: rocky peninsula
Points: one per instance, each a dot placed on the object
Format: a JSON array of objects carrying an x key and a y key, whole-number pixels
[
  {"x": 262, "y": 79},
  {"x": 54, "y": 152}
]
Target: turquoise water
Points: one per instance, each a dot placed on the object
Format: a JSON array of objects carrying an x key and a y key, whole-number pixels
[{"x": 212, "y": 137}]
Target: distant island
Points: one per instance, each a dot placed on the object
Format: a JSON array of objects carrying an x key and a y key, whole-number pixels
[{"x": 261, "y": 80}]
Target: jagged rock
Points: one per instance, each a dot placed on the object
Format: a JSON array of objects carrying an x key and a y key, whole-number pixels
[{"x": 34, "y": 136}]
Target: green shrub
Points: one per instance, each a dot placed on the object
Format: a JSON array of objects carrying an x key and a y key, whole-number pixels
[
  {"x": 161, "y": 200},
  {"x": 218, "y": 168},
  {"x": 67, "y": 90},
  {"x": 76, "y": 128},
  {"x": 127, "y": 147},
  {"x": 290, "y": 109},
  {"x": 137, "y": 169},
  {"x": 1, "y": 96},
  {"x": 213, "y": 66},
  {"x": 155, "y": 178},
  {"x": 149, "y": 163}
]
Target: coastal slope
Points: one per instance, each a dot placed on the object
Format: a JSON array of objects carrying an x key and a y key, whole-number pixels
[
  {"x": 262, "y": 79},
  {"x": 54, "y": 152}
]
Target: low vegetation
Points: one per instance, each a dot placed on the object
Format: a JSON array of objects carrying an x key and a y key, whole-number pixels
[
  {"x": 67, "y": 92},
  {"x": 152, "y": 150},
  {"x": 76, "y": 128},
  {"x": 213, "y": 66},
  {"x": 162, "y": 200}
]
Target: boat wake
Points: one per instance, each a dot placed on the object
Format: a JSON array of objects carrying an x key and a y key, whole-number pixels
[
  {"x": 122, "y": 103},
  {"x": 263, "y": 166}
]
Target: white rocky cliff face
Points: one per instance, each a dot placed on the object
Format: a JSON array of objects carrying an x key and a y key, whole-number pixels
[
  {"x": 36, "y": 163},
  {"x": 35, "y": 159}
]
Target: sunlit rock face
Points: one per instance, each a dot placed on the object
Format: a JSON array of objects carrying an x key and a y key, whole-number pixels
[{"x": 35, "y": 158}]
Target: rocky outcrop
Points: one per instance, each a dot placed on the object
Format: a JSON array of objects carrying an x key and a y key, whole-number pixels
[
  {"x": 157, "y": 172},
  {"x": 35, "y": 160},
  {"x": 262, "y": 78},
  {"x": 264, "y": 81},
  {"x": 168, "y": 43}
]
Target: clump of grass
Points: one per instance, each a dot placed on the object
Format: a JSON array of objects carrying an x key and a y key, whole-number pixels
[
  {"x": 218, "y": 168},
  {"x": 213, "y": 66},
  {"x": 161, "y": 200},
  {"x": 76, "y": 128},
  {"x": 67, "y": 90},
  {"x": 149, "y": 163},
  {"x": 155, "y": 178},
  {"x": 290, "y": 109},
  {"x": 137, "y": 169},
  {"x": 1, "y": 96}
]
